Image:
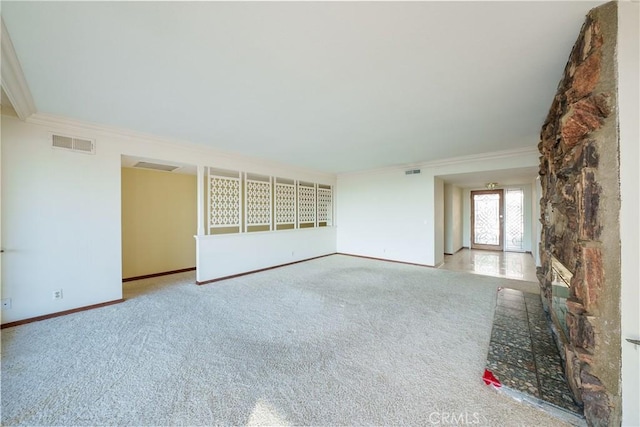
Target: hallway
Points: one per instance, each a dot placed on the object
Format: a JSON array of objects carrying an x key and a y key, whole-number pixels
[{"x": 512, "y": 265}]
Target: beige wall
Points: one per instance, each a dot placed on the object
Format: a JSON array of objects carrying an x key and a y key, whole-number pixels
[
  {"x": 158, "y": 221},
  {"x": 452, "y": 218}
]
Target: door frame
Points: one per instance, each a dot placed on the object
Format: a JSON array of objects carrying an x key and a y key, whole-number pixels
[{"x": 500, "y": 246}]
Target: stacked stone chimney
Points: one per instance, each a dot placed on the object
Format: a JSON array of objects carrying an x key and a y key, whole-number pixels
[{"x": 580, "y": 205}]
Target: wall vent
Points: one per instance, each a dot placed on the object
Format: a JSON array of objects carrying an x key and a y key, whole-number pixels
[
  {"x": 80, "y": 145},
  {"x": 156, "y": 166},
  {"x": 412, "y": 172}
]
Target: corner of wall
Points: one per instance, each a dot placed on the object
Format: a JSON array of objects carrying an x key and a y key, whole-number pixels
[{"x": 628, "y": 56}]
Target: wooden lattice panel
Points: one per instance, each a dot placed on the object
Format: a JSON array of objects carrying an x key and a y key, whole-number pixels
[
  {"x": 258, "y": 202},
  {"x": 225, "y": 202},
  {"x": 325, "y": 205},
  {"x": 285, "y": 204},
  {"x": 306, "y": 204}
]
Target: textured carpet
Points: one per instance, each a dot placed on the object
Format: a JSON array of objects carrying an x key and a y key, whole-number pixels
[{"x": 333, "y": 341}]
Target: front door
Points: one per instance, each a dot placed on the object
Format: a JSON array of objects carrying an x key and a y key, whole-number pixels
[{"x": 486, "y": 219}]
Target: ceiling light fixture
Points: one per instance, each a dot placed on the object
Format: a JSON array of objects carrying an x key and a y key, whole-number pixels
[{"x": 491, "y": 185}]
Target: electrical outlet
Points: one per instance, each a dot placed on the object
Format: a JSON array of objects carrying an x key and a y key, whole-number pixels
[
  {"x": 6, "y": 303},
  {"x": 57, "y": 294}
]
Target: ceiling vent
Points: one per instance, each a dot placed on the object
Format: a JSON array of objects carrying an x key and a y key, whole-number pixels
[
  {"x": 412, "y": 172},
  {"x": 79, "y": 145},
  {"x": 156, "y": 166}
]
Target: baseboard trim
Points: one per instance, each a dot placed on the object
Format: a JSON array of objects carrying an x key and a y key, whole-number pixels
[
  {"x": 233, "y": 276},
  {"x": 387, "y": 260},
  {"x": 453, "y": 253},
  {"x": 59, "y": 313},
  {"x": 164, "y": 273}
]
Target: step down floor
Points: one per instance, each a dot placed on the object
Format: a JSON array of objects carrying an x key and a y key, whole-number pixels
[{"x": 523, "y": 359}]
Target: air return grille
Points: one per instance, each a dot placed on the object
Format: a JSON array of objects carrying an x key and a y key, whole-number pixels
[
  {"x": 156, "y": 166},
  {"x": 412, "y": 172},
  {"x": 79, "y": 145}
]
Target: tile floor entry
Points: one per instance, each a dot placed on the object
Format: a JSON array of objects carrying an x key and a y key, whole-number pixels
[{"x": 512, "y": 265}]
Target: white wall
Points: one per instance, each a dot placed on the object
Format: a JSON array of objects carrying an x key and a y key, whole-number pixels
[
  {"x": 384, "y": 215},
  {"x": 61, "y": 217},
  {"x": 438, "y": 203},
  {"x": 629, "y": 111},
  {"x": 528, "y": 214},
  {"x": 60, "y": 224},
  {"x": 452, "y": 218},
  {"x": 227, "y": 254},
  {"x": 387, "y": 214}
]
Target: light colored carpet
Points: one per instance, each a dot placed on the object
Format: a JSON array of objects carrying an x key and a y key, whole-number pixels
[{"x": 333, "y": 341}]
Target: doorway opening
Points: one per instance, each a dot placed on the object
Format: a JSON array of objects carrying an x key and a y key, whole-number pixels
[{"x": 159, "y": 219}]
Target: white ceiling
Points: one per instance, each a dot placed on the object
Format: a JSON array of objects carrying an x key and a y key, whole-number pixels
[{"x": 333, "y": 86}]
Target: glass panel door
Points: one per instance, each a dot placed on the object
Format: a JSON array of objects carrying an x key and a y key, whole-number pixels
[
  {"x": 514, "y": 219},
  {"x": 486, "y": 219}
]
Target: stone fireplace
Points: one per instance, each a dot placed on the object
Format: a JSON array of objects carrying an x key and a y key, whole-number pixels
[
  {"x": 560, "y": 292},
  {"x": 580, "y": 242}
]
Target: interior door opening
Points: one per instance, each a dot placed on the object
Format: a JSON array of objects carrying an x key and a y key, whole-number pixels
[{"x": 159, "y": 218}]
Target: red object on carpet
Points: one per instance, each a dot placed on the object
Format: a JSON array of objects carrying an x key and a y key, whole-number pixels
[{"x": 489, "y": 378}]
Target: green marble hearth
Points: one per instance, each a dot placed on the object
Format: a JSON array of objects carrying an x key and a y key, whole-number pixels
[{"x": 523, "y": 359}]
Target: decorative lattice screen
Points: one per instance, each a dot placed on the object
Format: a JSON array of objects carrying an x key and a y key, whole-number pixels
[
  {"x": 241, "y": 202},
  {"x": 285, "y": 203},
  {"x": 258, "y": 202},
  {"x": 325, "y": 206},
  {"x": 306, "y": 204},
  {"x": 225, "y": 201}
]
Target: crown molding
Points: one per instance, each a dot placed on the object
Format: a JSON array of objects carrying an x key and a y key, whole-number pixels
[
  {"x": 493, "y": 155},
  {"x": 88, "y": 129},
  {"x": 13, "y": 81},
  {"x": 483, "y": 157},
  {"x": 82, "y": 127}
]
